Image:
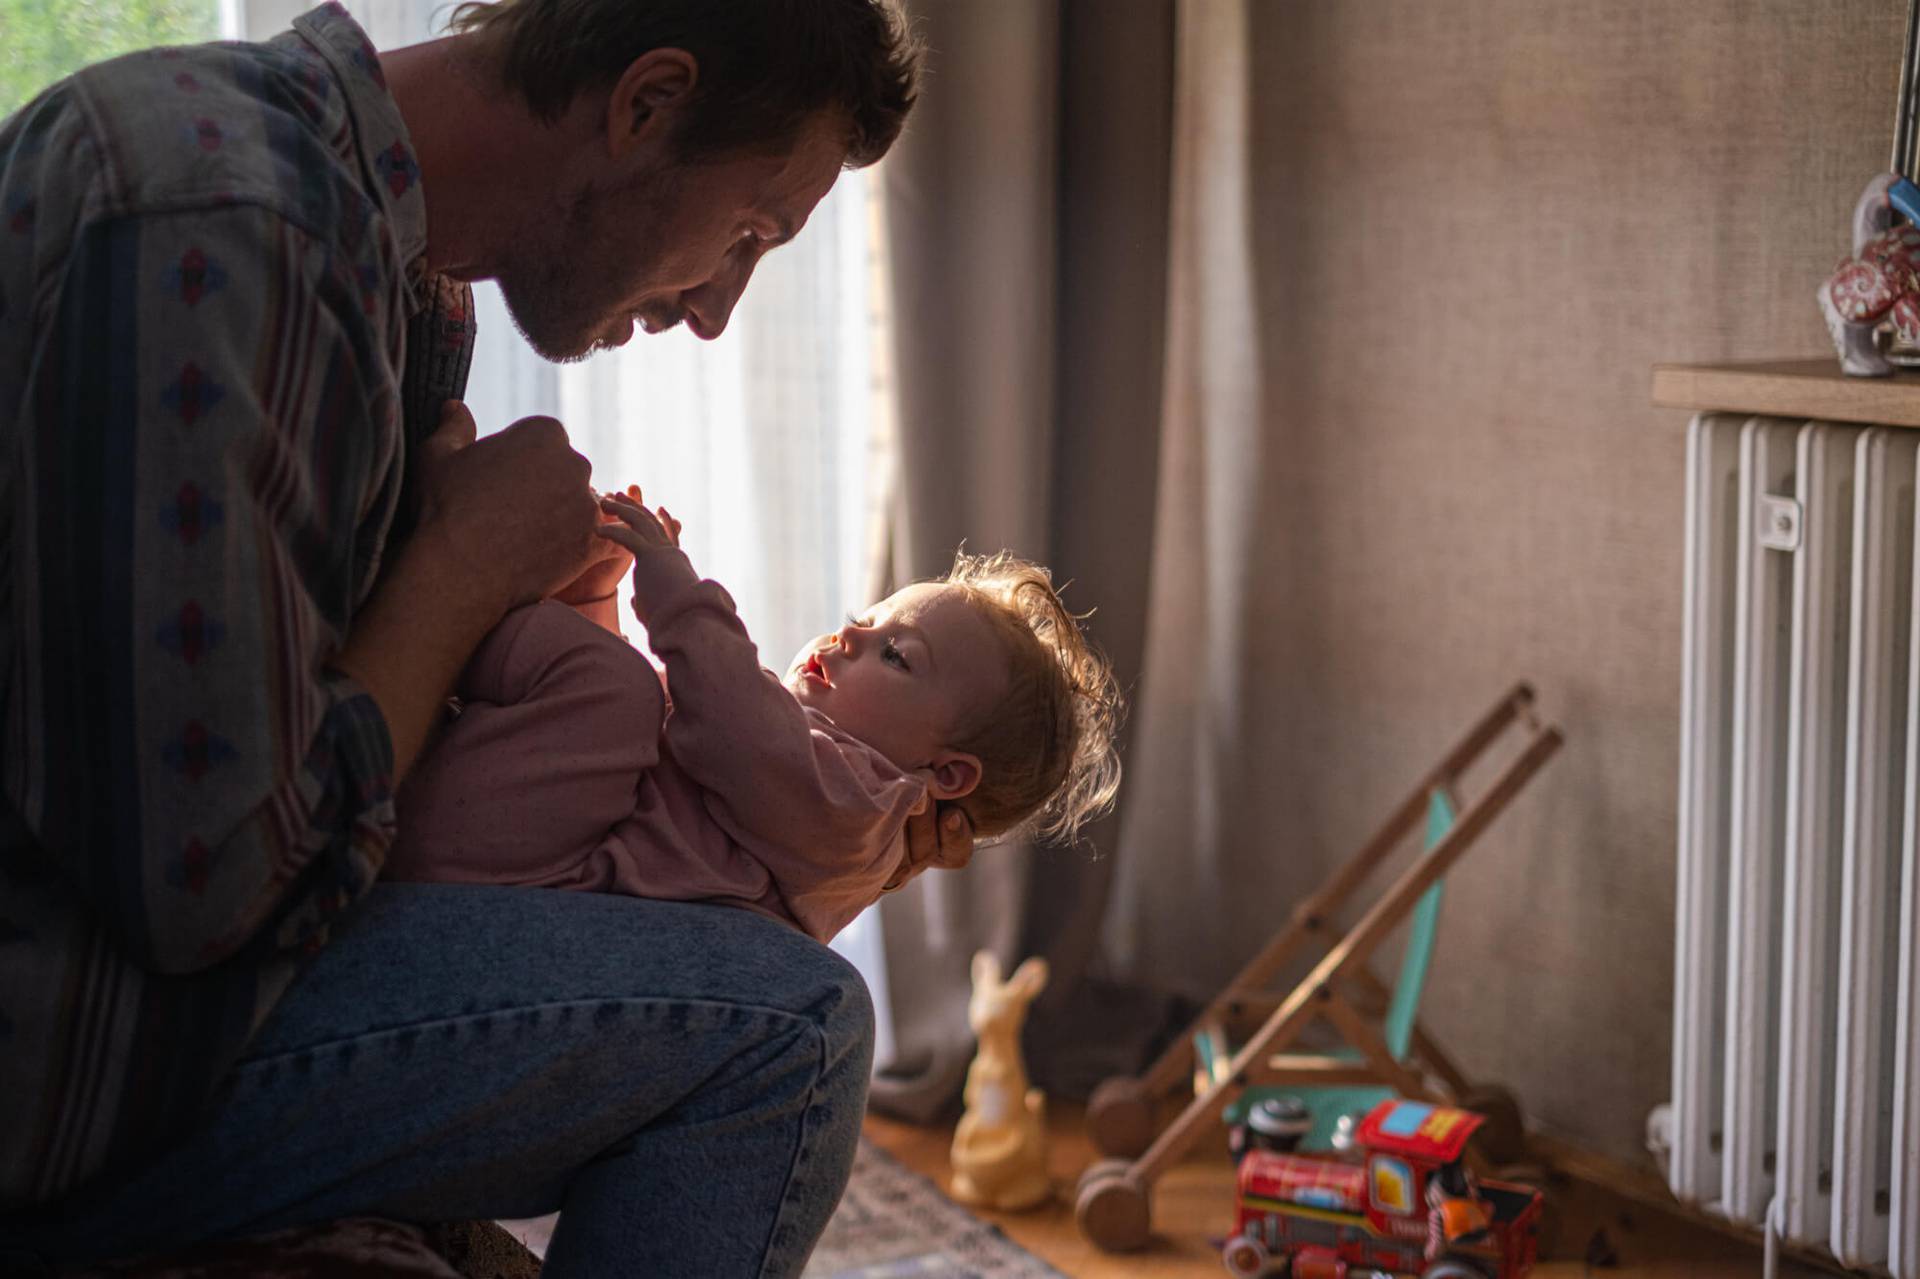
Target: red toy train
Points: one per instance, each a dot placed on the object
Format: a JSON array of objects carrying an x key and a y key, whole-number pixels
[{"x": 1401, "y": 1203}]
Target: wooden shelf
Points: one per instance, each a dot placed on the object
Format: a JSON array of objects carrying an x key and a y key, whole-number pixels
[{"x": 1810, "y": 389}]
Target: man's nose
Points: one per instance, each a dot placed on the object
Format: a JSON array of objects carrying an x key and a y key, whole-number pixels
[{"x": 710, "y": 306}]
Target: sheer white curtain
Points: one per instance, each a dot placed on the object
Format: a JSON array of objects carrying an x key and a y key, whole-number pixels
[
  {"x": 763, "y": 442},
  {"x": 771, "y": 444}
]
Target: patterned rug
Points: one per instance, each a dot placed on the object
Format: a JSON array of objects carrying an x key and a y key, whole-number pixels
[{"x": 894, "y": 1223}]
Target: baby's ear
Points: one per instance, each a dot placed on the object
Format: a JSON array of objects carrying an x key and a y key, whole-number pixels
[{"x": 952, "y": 774}]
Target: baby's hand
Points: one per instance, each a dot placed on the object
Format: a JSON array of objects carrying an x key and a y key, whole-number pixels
[
  {"x": 630, "y": 524},
  {"x": 663, "y": 514},
  {"x": 601, "y": 577}
]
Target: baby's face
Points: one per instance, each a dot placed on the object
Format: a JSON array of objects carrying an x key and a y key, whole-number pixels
[{"x": 906, "y": 673}]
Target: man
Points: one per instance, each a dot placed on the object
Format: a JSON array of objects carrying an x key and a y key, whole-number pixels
[{"x": 247, "y": 539}]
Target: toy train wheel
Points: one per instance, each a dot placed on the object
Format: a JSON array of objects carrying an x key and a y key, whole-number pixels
[
  {"x": 1120, "y": 1118},
  {"x": 1112, "y": 1207},
  {"x": 1245, "y": 1257},
  {"x": 1503, "y": 1138}
]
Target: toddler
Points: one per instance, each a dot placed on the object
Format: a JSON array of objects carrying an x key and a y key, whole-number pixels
[{"x": 574, "y": 763}]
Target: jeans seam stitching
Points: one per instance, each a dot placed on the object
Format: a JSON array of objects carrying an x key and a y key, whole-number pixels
[
  {"x": 372, "y": 1031},
  {"x": 799, "y": 1144}
]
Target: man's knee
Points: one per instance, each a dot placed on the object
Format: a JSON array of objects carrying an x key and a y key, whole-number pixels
[{"x": 842, "y": 1008}]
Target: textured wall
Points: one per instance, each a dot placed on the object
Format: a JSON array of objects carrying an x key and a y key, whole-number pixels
[{"x": 1478, "y": 224}]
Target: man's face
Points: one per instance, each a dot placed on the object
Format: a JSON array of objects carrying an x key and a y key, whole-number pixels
[{"x": 677, "y": 241}]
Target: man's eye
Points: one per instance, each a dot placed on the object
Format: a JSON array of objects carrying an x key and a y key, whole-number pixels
[{"x": 891, "y": 653}]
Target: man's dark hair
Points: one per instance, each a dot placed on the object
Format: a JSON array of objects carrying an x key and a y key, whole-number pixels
[{"x": 767, "y": 67}]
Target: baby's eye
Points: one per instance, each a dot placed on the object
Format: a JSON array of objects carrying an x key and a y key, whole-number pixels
[{"x": 890, "y": 652}]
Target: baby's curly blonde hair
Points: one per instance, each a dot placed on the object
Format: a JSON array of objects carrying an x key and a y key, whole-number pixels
[{"x": 1048, "y": 758}]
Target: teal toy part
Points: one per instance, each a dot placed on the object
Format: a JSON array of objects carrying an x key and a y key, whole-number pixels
[
  {"x": 1326, "y": 1105},
  {"x": 1417, "y": 960}
]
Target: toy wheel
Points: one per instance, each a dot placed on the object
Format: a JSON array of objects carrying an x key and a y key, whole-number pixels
[
  {"x": 1112, "y": 1207},
  {"x": 1453, "y": 1268},
  {"x": 1503, "y": 1139},
  {"x": 1245, "y": 1257},
  {"x": 1120, "y": 1118},
  {"x": 1547, "y": 1225}
]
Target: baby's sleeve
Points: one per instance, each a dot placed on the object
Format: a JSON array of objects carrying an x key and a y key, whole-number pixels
[
  {"x": 821, "y": 811},
  {"x": 829, "y": 872}
]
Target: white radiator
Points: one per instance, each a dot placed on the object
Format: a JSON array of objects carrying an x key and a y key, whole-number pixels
[{"x": 1796, "y": 1064}]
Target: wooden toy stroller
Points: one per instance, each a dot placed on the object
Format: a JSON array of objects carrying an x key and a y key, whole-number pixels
[
  {"x": 1114, "y": 1207},
  {"x": 1309, "y": 1116}
]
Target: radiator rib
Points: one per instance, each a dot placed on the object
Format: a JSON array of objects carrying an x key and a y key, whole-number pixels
[
  {"x": 1756, "y": 829},
  {"x": 1706, "y": 729},
  {"x": 1870, "y": 881},
  {"x": 1816, "y": 812},
  {"x": 1903, "y": 1242}
]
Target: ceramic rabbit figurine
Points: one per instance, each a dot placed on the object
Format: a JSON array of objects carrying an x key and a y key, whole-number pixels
[{"x": 1000, "y": 1147}]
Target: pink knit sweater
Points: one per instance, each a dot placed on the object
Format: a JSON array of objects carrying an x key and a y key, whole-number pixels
[{"x": 571, "y": 766}]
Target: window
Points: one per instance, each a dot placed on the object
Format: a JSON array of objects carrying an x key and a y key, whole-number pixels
[
  {"x": 49, "y": 39},
  {"x": 1392, "y": 1182}
]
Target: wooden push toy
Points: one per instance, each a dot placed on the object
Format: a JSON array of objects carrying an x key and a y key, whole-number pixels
[
  {"x": 1114, "y": 1205},
  {"x": 1315, "y": 1116},
  {"x": 1403, "y": 1203}
]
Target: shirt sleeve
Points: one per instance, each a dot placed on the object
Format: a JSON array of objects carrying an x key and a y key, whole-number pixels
[
  {"x": 217, "y": 449},
  {"x": 822, "y": 811}
]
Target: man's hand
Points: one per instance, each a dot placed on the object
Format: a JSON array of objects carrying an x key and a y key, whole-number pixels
[
  {"x": 503, "y": 521},
  {"x": 512, "y": 512},
  {"x": 947, "y": 845}
]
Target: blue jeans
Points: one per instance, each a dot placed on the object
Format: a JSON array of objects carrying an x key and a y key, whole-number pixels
[{"x": 684, "y": 1083}]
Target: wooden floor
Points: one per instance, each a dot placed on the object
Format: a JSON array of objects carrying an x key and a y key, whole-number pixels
[{"x": 1193, "y": 1207}]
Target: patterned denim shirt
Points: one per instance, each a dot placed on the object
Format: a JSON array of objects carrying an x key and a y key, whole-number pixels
[{"x": 217, "y": 343}]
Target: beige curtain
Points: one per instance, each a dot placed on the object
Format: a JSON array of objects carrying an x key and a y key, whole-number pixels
[
  {"x": 1183, "y": 810},
  {"x": 970, "y": 196},
  {"x": 1026, "y": 220}
]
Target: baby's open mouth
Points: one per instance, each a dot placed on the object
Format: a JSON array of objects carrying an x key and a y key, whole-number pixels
[{"x": 816, "y": 669}]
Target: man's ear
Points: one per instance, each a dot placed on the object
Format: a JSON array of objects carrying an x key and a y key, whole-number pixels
[
  {"x": 952, "y": 774},
  {"x": 645, "y": 96}
]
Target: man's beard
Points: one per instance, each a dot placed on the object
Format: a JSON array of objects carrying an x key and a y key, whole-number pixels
[{"x": 561, "y": 295}]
